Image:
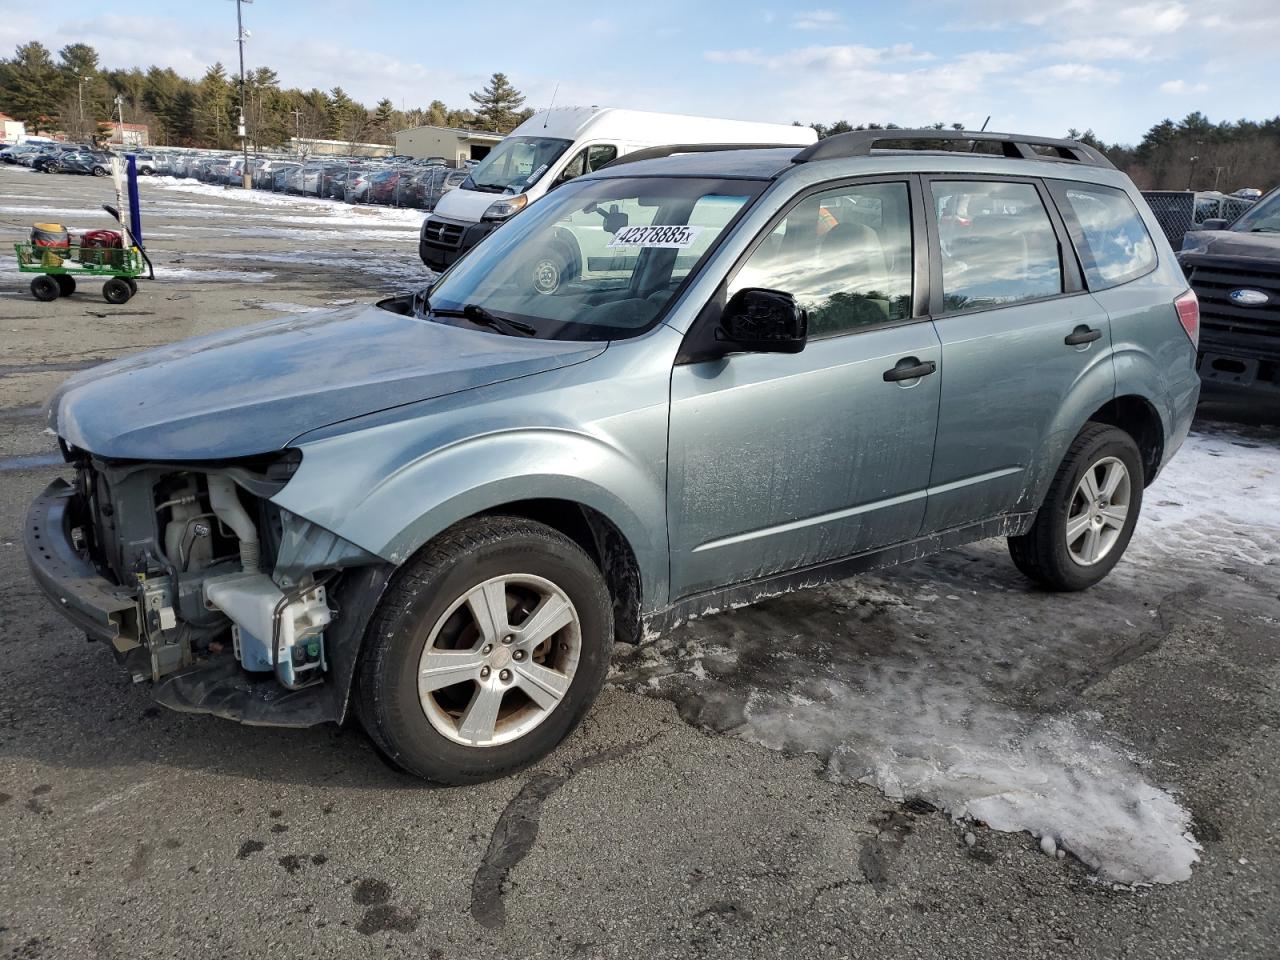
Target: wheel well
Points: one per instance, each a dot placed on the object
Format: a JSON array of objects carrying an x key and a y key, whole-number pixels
[
  {"x": 1138, "y": 418},
  {"x": 604, "y": 543}
]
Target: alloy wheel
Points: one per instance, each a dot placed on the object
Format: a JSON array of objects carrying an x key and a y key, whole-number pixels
[
  {"x": 499, "y": 660},
  {"x": 1099, "y": 509}
]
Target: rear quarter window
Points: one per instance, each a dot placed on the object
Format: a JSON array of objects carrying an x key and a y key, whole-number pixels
[{"x": 1109, "y": 234}]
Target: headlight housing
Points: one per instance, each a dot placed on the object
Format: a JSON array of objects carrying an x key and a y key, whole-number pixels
[{"x": 506, "y": 207}]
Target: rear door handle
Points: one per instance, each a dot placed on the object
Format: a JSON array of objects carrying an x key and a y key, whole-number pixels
[
  {"x": 909, "y": 368},
  {"x": 1082, "y": 335}
]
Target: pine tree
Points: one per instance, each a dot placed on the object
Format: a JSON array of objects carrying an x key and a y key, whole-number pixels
[
  {"x": 340, "y": 110},
  {"x": 29, "y": 85},
  {"x": 498, "y": 104},
  {"x": 384, "y": 120}
]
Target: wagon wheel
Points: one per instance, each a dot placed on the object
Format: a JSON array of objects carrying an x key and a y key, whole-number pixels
[
  {"x": 66, "y": 284},
  {"x": 45, "y": 288},
  {"x": 116, "y": 291}
]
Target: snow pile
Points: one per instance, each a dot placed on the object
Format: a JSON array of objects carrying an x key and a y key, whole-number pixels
[{"x": 952, "y": 680}]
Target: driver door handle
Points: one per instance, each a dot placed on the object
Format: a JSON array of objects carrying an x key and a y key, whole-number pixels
[
  {"x": 1082, "y": 335},
  {"x": 907, "y": 370}
]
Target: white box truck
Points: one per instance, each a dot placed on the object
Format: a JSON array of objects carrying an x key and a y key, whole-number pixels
[{"x": 555, "y": 146}]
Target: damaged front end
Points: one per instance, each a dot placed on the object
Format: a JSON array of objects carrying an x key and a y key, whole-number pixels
[{"x": 227, "y": 603}]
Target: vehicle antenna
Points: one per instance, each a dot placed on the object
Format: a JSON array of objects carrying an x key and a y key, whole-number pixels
[{"x": 547, "y": 118}]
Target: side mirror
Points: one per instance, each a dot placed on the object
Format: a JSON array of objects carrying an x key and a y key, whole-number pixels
[
  {"x": 1214, "y": 223},
  {"x": 763, "y": 321},
  {"x": 615, "y": 220}
]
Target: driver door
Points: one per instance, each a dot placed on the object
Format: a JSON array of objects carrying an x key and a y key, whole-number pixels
[{"x": 783, "y": 461}]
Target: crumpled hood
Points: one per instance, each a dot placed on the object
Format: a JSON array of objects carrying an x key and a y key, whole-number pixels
[
  {"x": 1232, "y": 243},
  {"x": 253, "y": 389}
]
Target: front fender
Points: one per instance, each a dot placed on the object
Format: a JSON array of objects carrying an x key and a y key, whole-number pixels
[{"x": 594, "y": 434}]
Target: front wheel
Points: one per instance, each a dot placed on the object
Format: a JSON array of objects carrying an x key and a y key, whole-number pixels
[
  {"x": 116, "y": 291},
  {"x": 66, "y": 284},
  {"x": 1087, "y": 519},
  {"x": 486, "y": 651},
  {"x": 45, "y": 288}
]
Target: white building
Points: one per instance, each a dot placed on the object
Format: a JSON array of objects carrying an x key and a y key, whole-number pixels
[{"x": 11, "y": 130}]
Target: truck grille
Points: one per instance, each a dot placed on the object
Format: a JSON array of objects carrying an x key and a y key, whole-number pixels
[
  {"x": 1223, "y": 321},
  {"x": 439, "y": 233}
]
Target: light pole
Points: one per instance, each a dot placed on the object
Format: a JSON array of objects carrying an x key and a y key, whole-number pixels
[
  {"x": 241, "y": 37},
  {"x": 120, "y": 109},
  {"x": 80, "y": 82}
]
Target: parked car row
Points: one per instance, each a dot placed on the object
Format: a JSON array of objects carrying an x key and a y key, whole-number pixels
[{"x": 392, "y": 181}]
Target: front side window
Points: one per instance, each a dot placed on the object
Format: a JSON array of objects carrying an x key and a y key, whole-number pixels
[
  {"x": 596, "y": 259},
  {"x": 1262, "y": 217},
  {"x": 845, "y": 255},
  {"x": 517, "y": 163},
  {"x": 998, "y": 244},
  {"x": 1113, "y": 242}
]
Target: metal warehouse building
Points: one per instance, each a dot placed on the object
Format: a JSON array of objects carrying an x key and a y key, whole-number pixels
[{"x": 456, "y": 146}]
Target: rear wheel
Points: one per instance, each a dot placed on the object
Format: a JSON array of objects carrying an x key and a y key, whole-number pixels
[
  {"x": 1082, "y": 529},
  {"x": 45, "y": 288},
  {"x": 486, "y": 652},
  {"x": 116, "y": 291},
  {"x": 66, "y": 284},
  {"x": 133, "y": 284}
]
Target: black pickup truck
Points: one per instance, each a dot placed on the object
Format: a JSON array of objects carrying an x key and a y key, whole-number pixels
[{"x": 1235, "y": 270}]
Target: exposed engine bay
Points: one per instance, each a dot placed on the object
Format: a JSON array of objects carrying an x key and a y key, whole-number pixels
[{"x": 236, "y": 598}]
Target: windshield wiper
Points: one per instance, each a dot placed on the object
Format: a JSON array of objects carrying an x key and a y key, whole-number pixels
[{"x": 484, "y": 318}]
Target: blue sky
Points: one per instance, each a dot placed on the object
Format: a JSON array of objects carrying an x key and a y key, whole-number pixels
[{"x": 1037, "y": 67}]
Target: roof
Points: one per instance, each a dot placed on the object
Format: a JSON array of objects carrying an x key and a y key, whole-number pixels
[
  {"x": 461, "y": 132},
  {"x": 750, "y": 164}
]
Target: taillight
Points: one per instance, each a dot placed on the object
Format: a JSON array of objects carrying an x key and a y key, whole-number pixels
[{"x": 1188, "y": 306}]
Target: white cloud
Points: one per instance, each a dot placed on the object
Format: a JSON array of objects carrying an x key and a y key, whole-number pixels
[
  {"x": 1101, "y": 48},
  {"x": 1074, "y": 74},
  {"x": 816, "y": 19},
  {"x": 1181, "y": 86}
]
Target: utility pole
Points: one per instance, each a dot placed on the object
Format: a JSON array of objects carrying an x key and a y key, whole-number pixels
[
  {"x": 241, "y": 37},
  {"x": 297, "y": 127},
  {"x": 120, "y": 110}
]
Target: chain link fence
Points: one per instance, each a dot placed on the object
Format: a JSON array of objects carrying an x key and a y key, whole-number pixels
[{"x": 1180, "y": 211}]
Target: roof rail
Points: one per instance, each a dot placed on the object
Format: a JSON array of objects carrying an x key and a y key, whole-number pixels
[
  {"x": 667, "y": 150},
  {"x": 860, "y": 143}
]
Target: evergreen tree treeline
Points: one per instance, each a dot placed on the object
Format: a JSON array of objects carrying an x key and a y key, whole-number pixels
[{"x": 73, "y": 93}]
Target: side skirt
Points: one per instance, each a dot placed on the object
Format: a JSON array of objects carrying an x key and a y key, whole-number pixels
[{"x": 753, "y": 591}]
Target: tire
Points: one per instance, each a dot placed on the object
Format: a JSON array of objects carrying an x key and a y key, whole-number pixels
[
  {"x": 1075, "y": 557},
  {"x": 553, "y": 270},
  {"x": 66, "y": 284},
  {"x": 441, "y": 732},
  {"x": 133, "y": 285},
  {"x": 45, "y": 288},
  {"x": 99, "y": 171},
  {"x": 116, "y": 291}
]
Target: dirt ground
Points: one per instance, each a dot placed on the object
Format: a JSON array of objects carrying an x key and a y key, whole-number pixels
[{"x": 730, "y": 794}]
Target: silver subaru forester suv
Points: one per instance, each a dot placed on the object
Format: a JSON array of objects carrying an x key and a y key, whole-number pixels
[{"x": 695, "y": 378}]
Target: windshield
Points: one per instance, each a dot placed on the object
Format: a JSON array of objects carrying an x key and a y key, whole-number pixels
[
  {"x": 1262, "y": 217},
  {"x": 516, "y": 164},
  {"x": 596, "y": 259}
]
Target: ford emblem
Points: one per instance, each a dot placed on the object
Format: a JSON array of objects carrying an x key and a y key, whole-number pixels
[{"x": 1248, "y": 298}]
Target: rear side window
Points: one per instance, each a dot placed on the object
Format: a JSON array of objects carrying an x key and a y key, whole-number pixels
[
  {"x": 998, "y": 244},
  {"x": 1108, "y": 232}
]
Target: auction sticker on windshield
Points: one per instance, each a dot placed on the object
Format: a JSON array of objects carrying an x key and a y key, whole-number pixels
[{"x": 667, "y": 238}]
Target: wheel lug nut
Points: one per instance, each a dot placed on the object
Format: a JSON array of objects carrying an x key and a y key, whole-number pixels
[
  {"x": 508, "y": 638},
  {"x": 484, "y": 672},
  {"x": 518, "y": 655},
  {"x": 504, "y": 676},
  {"x": 488, "y": 647}
]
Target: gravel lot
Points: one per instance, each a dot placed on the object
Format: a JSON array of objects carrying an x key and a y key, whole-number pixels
[{"x": 728, "y": 796}]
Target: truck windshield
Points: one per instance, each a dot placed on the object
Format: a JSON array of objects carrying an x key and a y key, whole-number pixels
[
  {"x": 595, "y": 259},
  {"x": 1262, "y": 217},
  {"x": 516, "y": 164}
]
